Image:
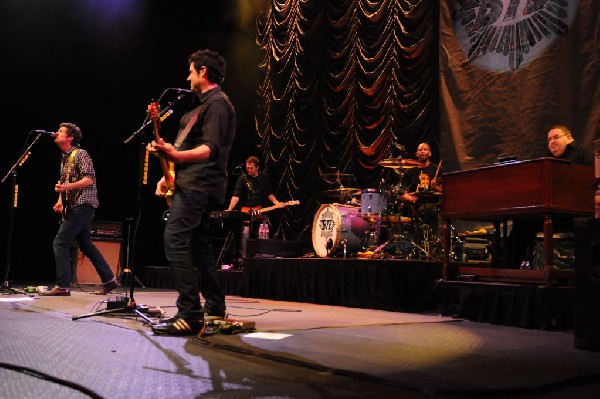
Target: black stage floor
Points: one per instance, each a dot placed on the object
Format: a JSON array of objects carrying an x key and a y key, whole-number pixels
[{"x": 298, "y": 350}]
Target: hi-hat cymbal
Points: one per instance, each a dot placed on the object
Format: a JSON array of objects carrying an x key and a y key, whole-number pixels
[
  {"x": 399, "y": 163},
  {"x": 342, "y": 190}
]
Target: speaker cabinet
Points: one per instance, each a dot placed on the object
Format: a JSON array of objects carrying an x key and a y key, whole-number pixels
[{"x": 86, "y": 272}]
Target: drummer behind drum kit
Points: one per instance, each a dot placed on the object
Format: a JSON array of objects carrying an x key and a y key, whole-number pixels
[{"x": 350, "y": 226}]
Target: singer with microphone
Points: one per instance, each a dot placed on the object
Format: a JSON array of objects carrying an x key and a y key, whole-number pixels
[
  {"x": 77, "y": 203},
  {"x": 253, "y": 191},
  {"x": 200, "y": 155}
]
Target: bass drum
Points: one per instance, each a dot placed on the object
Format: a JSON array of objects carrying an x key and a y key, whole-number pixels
[{"x": 335, "y": 223}]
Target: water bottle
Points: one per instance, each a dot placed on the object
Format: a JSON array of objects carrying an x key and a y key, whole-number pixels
[{"x": 265, "y": 231}]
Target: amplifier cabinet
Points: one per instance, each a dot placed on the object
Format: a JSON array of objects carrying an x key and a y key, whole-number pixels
[{"x": 85, "y": 272}]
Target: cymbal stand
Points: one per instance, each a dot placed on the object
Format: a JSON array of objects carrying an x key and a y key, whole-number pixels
[{"x": 372, "y": 237}]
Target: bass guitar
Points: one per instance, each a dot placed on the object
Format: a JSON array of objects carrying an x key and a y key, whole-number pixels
[
  {"x": 168, "y": 168},
  {"x": 256, "y": 211}
]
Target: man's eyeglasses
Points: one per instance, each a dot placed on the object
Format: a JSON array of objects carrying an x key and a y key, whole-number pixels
[{"x": 555, "y": 137}]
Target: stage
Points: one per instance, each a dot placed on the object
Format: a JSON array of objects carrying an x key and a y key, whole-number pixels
[{"x": 391, "y": 285}]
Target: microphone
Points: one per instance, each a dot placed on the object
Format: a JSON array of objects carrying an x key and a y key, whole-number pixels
[
  {"x": 41, "y": 132},
  {"x": 178, "y": 90}
]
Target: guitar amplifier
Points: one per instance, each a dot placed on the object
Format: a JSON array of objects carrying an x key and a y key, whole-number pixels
[
  {"x": 110, "y": 248},
  {"x": 106, "y": 229}
]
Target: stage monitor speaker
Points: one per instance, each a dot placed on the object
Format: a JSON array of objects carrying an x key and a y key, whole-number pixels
[
  {"x": 110, "y": 249},
  {"x": 587, "y": 284}
]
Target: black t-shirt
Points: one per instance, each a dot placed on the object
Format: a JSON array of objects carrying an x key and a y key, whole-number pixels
[
  {"x": 415, "y": 176},
  {"x": 576, "y": 154},
  {"x": 215, "y": 127},
  {"x": 253, "y": 191}
]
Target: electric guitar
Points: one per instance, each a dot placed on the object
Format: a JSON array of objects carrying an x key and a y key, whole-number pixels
[
  {"x": 168, "y": 168},
  {"x": 64, "y": 195},
  {"x": 256, "y": 211},
  {"x": 64, "y": 200}
]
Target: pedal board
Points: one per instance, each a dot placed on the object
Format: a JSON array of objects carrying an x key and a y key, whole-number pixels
[
  {"x": 118, "y": 302},
  {"x": 227, "y": 326}
]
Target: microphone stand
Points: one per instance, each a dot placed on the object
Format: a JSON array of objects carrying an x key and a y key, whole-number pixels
[
  {"x": 131, "y": 306},
  {"x": 11, "y": 218}
]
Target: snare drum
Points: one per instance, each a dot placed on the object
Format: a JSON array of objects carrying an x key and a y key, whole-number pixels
[
  {"x": 373, "y": 201},
  {"x": 335, "y": 223}
]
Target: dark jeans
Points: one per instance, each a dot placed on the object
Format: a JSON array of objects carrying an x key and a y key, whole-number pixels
[
  {"x": 242, "y": 231},
  {"x": 77, "y": 226},
  {"x": 189, "y": 253}
]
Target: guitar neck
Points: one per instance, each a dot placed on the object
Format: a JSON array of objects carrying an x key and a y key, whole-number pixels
[
  {"x": 168, "y": 169},
  {"x": 270, "y": 208}
]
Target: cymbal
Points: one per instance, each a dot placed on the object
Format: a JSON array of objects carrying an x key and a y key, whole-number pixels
[
  {"x": 340, "y": 175},
  {"x": 399, "y": 163},
  {"x": 343, "y": 190},
  {"x": 428, "y": 194}
]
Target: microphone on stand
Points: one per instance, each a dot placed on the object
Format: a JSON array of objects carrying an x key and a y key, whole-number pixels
[
  {"x": 178, "y": 90},
  {"x": 240, "y": 167},
  {"x": 43, "y": 132}
]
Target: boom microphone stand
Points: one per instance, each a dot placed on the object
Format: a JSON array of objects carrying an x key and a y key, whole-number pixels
[
  {"x": 11, "y": 218},
  {"x": 131, "y": 307}
]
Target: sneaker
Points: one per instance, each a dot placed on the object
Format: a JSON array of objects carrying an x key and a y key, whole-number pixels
[
  {"x": 56, "y": 291},
  {"x": 213, "y": 314},
  {"x": 179, "y": 327},
  {"x": 108, "y": 287}
]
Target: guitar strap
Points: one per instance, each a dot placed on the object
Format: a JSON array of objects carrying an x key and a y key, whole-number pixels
[
  {"x": 68, "y": 172},
  {"x": 183, "y": 134}
]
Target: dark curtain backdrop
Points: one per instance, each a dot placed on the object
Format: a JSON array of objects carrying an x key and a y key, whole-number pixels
[
  {"x": 99, "y": 64},
  {"x": 510, "y": 70},
  {"x": 320, "y": 86},
  {"x": 346, "y": 83}
]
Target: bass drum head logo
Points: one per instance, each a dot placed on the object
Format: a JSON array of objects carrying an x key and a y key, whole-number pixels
[{"x": 505, "y": 35}]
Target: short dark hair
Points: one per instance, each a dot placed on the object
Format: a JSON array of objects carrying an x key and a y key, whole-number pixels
[
  {"x": 563, "y": 128},
  {"x": 214, "y": 63},
  {"x": 253, "y": 160},
  {"x": 73, "y": 131}
]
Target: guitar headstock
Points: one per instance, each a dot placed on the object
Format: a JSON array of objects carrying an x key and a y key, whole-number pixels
[{"x": 154, "y": 111}]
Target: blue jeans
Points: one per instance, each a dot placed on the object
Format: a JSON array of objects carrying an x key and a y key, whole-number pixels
[
  {"x": 189, "y": 253},
  {"x": 77, "y": 226}
]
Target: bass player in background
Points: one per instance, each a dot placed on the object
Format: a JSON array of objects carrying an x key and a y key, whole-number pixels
[
  {"x": 253, "y": 191},
  {"x": 77, "y": 202},
  {"x": 200, "y": 154}
]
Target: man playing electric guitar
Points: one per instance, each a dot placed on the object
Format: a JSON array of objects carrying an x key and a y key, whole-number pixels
[
  {"x": 252, "y": 191},
  {"x": 77, "y": 202}
]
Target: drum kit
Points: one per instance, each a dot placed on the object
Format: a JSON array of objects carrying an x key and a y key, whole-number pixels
[{"x": 374, "y": 222}]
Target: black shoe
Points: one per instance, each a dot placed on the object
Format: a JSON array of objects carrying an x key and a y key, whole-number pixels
[
  {"x": 213, "y": 314},
  {"x": 179, "y": 326},
  {"x": 108, "y": 287}
]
